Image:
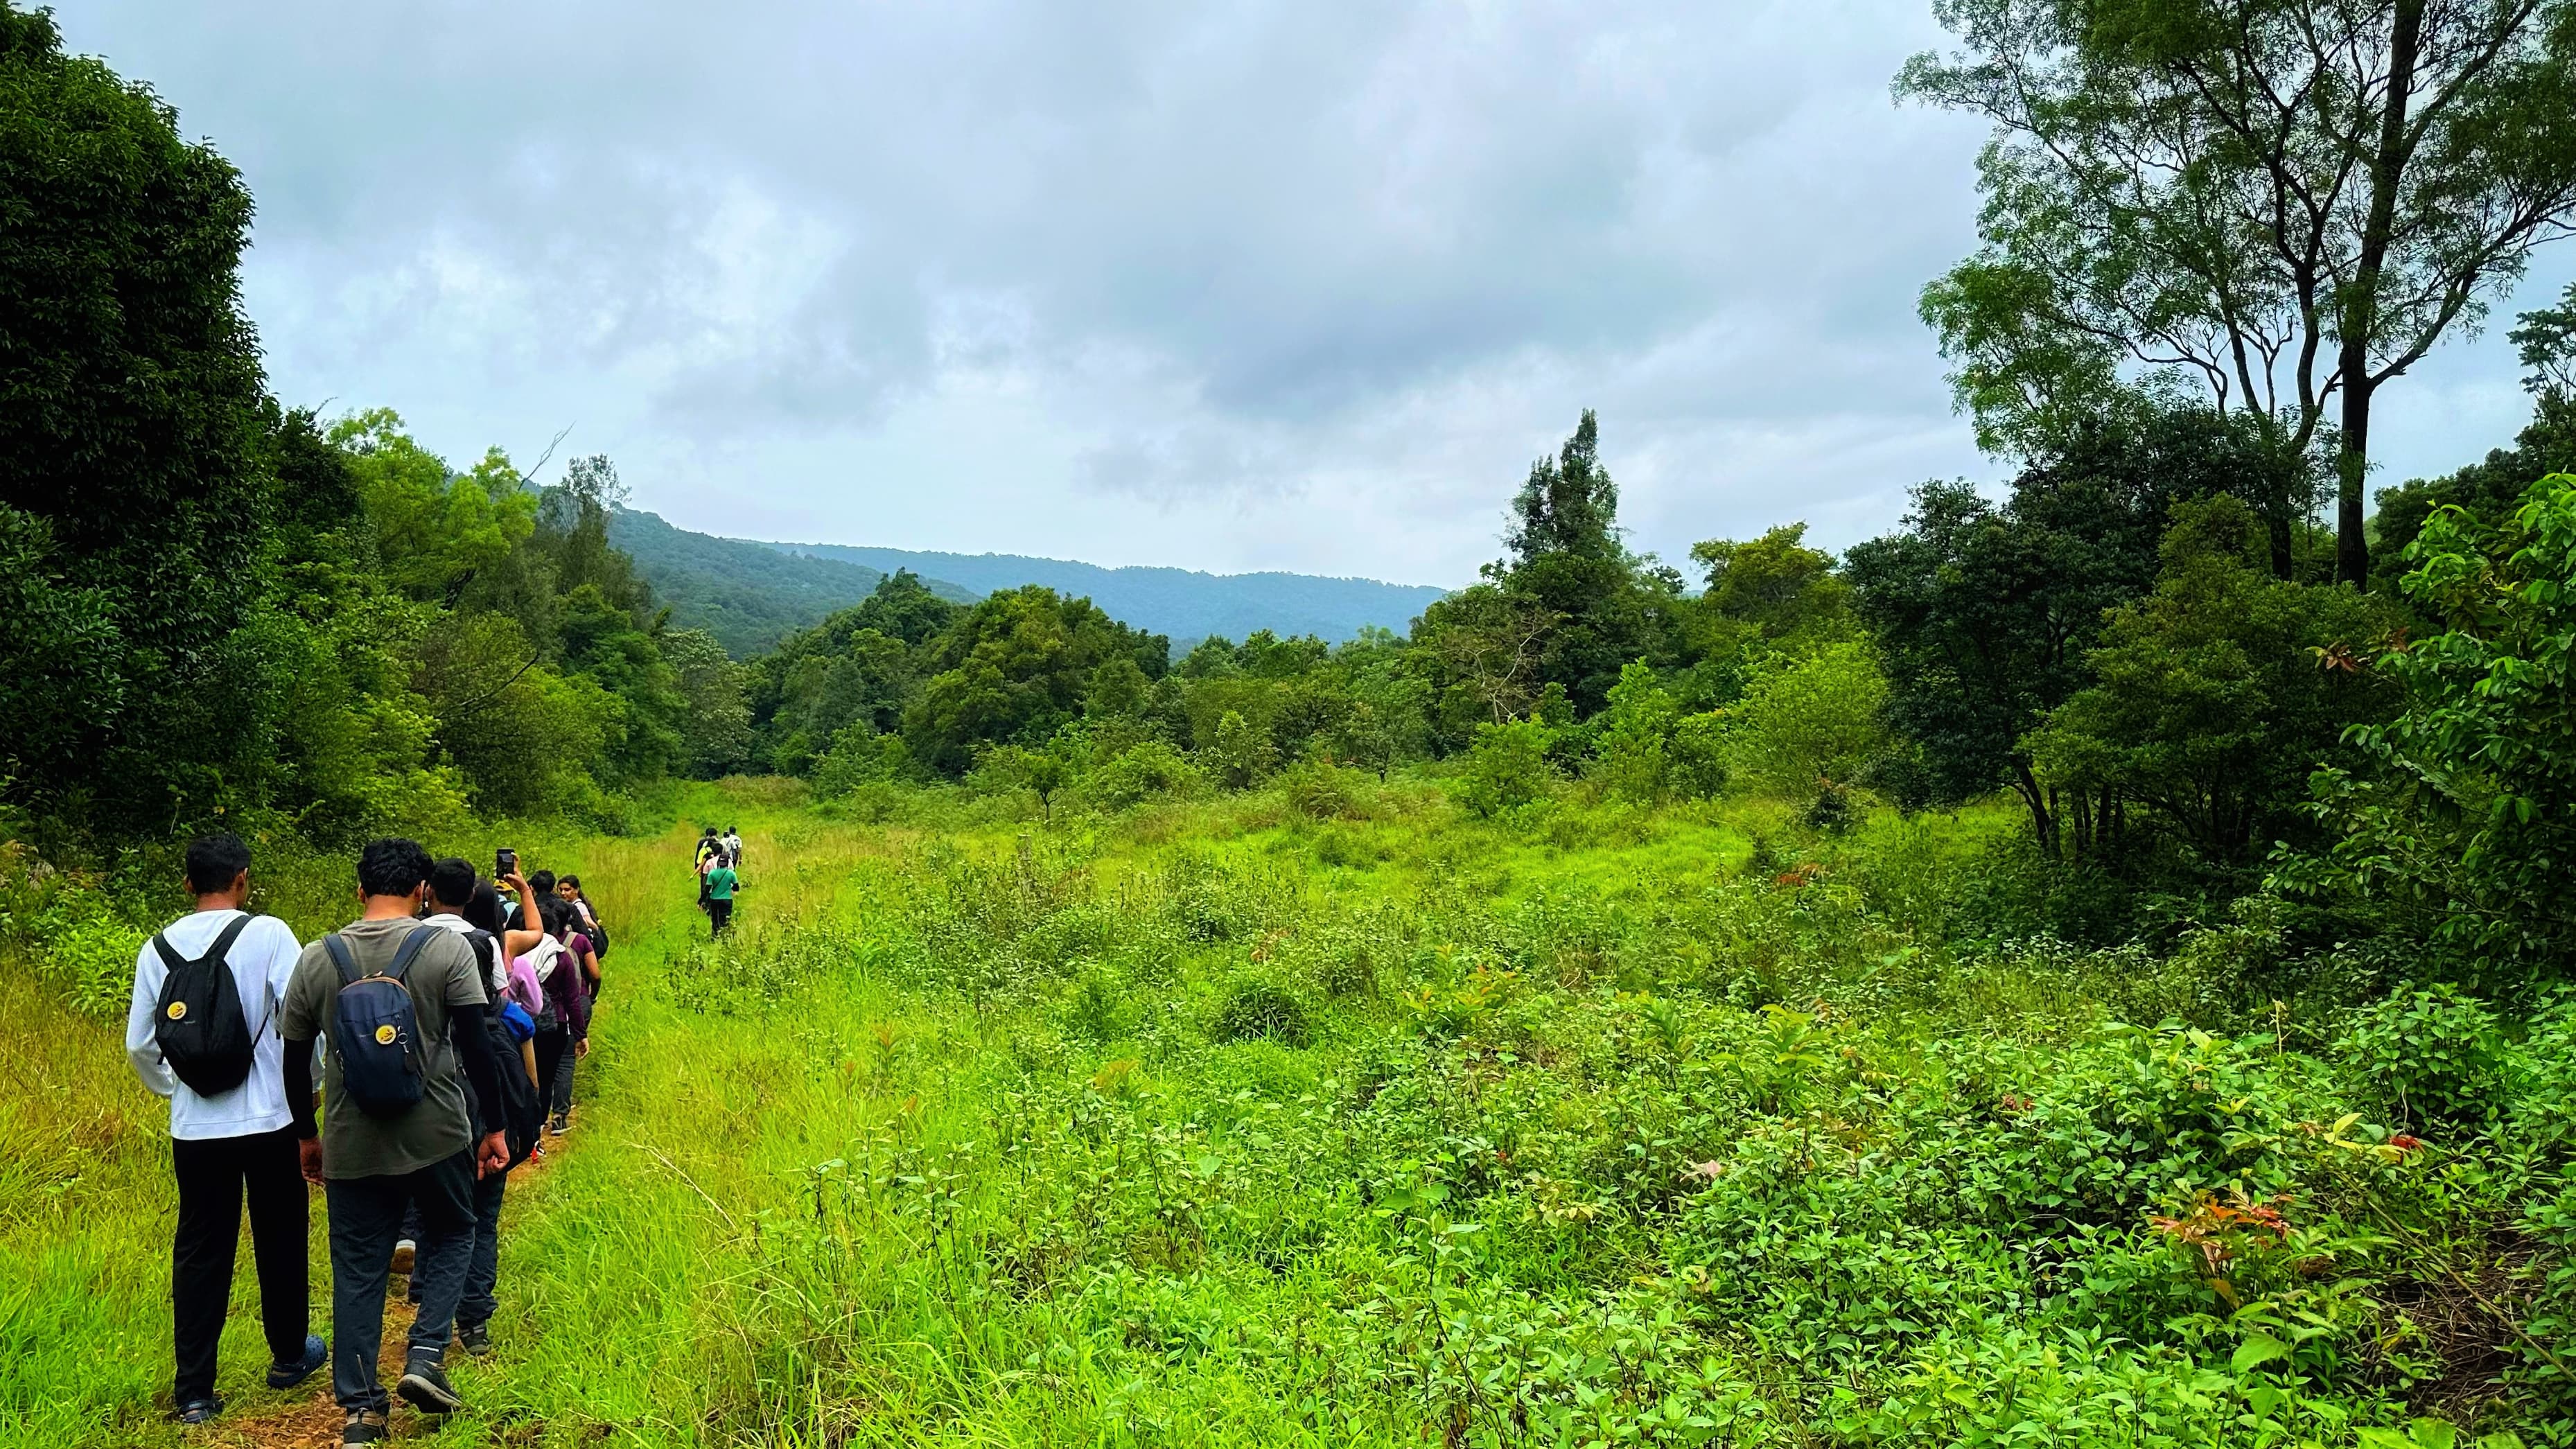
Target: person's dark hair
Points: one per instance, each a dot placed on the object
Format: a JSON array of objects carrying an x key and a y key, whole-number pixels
[
  {"x": 729, "y": 830},
  {"x": 543, "y": 882},
  {"x": 215, "y": 861},
  {"x": 554, "y": 913},
  {"x": 452, "y": 882},
  {"x": 571, "y": 880},
  {"x": 483, "y": 912},
  {"x": 392, "y": 867},
  {"x": 711, "y": 830}
]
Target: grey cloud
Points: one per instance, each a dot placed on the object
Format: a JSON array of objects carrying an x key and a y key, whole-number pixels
[{"x": 1124, "y": 276}]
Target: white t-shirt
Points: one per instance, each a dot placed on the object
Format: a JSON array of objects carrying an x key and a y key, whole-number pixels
[
  {"x": 496, "y": 971},
  {"x": 262, "y": 958}
]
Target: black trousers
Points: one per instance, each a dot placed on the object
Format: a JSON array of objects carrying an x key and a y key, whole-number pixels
[
  {"x": 554, "y": 1054},
  {"x": 215, "y": 1176},
  {"x": 719, "y": 915},
  {"x": 366, "y": 1218}
]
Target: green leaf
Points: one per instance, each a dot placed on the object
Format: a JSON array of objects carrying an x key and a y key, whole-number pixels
[
  {"x": 2432, "y": 1434},
  {"x": 2260, "y": 1349}
]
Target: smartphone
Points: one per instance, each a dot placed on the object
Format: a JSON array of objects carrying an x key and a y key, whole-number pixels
[{"x": 505, "y": 863}]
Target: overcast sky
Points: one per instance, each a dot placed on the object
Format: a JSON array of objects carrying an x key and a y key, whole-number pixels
[{"x": 1229, "y": 285}]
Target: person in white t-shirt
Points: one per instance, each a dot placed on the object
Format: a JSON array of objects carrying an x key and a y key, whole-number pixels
[{"x": 228, "y": 1145}]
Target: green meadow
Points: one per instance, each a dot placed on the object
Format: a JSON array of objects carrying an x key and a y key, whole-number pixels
[{"x": 1281, "y": 1119}]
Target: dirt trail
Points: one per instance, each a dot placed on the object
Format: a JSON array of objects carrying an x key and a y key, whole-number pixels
[{"x": 312, "y": 1420}]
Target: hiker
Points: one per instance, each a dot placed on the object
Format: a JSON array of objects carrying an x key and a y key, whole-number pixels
[
  {"x": 733, "y": 847},
  {"x": 563, "y": 1019},
  {"x": 201, "y": 1031},
  {"x": 404, "y": 1003},
  {"x": 709, "y": 847},
  {"x": 454, "y": 890},
  {"x": 584, "y": 960},
  {"x": 721, "y": 885}
]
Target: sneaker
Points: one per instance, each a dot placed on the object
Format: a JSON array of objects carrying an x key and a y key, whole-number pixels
[
  {"x": 364, "y": 1428},
  {"x": 559, "y": 1124},
  {"x": 288, "y": 1375},
  {"x": 425, "y": 1387},
  {"x": 403, "y": 1254},
  {"x": 476, "y": 1340},
  {"x": 198, "y": 1411}
]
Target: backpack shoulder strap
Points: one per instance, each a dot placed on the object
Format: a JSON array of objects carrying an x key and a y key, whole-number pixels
[
  {"x": 341, "y": 959},
  {"x": 171, "y": 960},
  {"x": 409, "y": 950},
  {"x": 222, "y": 949}
]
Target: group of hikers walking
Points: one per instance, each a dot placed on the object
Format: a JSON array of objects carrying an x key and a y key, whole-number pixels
[
  {"x": 448, "y": 1016},
  {"x": 719, "y": 868}
]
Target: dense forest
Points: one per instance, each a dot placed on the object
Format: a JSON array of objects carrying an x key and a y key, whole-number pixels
[{"x": 2249, "y": 805}]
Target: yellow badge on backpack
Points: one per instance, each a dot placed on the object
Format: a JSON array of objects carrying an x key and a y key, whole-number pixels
[
  {"x": 385, "y": 1035},
  {"x": 178, "y": 1009}
]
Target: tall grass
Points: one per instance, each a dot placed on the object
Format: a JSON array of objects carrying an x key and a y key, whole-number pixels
[{"x": 1241, "y": 1120}]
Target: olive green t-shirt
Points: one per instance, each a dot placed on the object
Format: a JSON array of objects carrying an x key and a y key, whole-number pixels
[{"x": 442, "y": 975}]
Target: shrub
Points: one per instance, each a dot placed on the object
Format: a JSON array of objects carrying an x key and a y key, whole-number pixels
[
  {"x": 1508, "y": 767},
  {"x": 1260, "y": 1009},
  {"x": 2432, "y": 1055},
  {"x": 1811, "y": 719},
  {"x": 1141, "y": 772},
  {"x": 1320, "y": 791}
]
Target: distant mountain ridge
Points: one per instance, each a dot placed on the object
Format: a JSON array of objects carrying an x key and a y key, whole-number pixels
[
  {"x": 752, "y": 594},
  {"x": 748, "y": 595},
  {"x": 1184, "y": 603}
]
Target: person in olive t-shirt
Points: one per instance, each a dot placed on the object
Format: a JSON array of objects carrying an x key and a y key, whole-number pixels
[{"x": 372, "y": 1168}]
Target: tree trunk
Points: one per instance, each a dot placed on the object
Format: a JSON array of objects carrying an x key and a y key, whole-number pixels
[
  {"x": 2042, "y": 823},
  {"x": 2361, "y": 308}
]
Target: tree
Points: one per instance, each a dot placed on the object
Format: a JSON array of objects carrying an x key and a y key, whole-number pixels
[
  {"x": 1490, "y": 642},
  {"x": 133, "y": 424},
  {"x": 1808, "y": 725},
  {"x": 1633, "y": 739},
  {"x": 1013, "y": 669},
  {"x": 2284, "y": 203},
  {"x": 1239, "y": 755},
  {"x": 1603, "y": 606},
  {"x": 1983, "y": 615},
  {"x": 2460, "y": 830},
  {"x": 715, "y": 719},
  {"x": 1774, "y": 586},
  {"x": 2216, "y": 695}
]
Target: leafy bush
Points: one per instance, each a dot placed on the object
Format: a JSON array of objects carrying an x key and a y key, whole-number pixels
[
  {"x": 1508, "y": 767},
  {"x": 1148, "y": 771},
  {"x": 2434, "y": 1055},
  {"x": 1802, "y": 721},
  {"x": 1322, "y": 791},
  {"x": 1255, "y": 1008}
]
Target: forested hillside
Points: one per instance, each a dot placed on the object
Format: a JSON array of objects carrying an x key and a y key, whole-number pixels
[
  {"x": 749, "y": 596},
  {"x": 1182, "y": 604},
  {"x": 2088, "y": 966}
]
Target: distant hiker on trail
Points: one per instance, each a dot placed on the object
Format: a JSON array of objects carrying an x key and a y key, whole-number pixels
[
  {"x": 404, "y": 1003},
  {"x": 202, "y": 1031},
  {"x": 563, "y": 1017},
  {"x": 733, "y": 847},
  {"x": 721, "y": 885},
  {"x": 453, "y": 891},
  {"x": 583, "y": 960},
  {"x": 710, "y": 847}
]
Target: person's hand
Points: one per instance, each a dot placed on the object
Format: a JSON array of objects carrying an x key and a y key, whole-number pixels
[
  {"x": 492, "y": 1155},
  {"x": 519, "y": 882},
  {"x": 308, "y": 1156},
  {"x": 581, "y": 1048}
]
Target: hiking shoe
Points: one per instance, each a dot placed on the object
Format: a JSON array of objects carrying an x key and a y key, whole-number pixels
[
  {"x": 198, "y": 1411},
  {"x": 288, "y": 1375},
  {"x": 404, "y": 1252},
  {"x": 476, "y": 1340},
  {"x": 425, "y": 1387},
  {"x": 559, "y": 1124},
  {"x": 364, "y": 1428}
]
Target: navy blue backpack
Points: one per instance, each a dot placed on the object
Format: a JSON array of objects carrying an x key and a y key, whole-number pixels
[{"x": 375, "y": 1030}]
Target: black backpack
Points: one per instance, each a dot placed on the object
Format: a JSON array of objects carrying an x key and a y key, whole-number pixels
[
  {"x": 199, "y": 1025},
  {"x": 375, "y": 1030}
]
